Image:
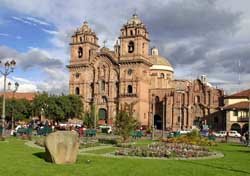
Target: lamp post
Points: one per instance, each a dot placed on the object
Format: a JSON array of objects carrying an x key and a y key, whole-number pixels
[
  {"x": 164, "y": 114},
  {"x": 153, "y": 112},
  {"x": 8, "y": 68},
  {"x": 248, "y": 121},
  {"x": 13, "y": 93}
]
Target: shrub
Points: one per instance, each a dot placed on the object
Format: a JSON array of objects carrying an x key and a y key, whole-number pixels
[
  {"x": 112, "y": 141},
  {"x": 192, "y": 139},
  {"x": 124, "y": 145},
  {"x": 194, "y": 133}
]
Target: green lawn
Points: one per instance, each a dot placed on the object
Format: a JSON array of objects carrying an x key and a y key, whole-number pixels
[{"x": 18, "y": 159}]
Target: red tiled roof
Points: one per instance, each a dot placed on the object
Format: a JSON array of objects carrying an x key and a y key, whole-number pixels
[
  {"x": 242, "y": 94},
  {"x": 244, "y": 105},
  {"x": 20, "y": 95}
]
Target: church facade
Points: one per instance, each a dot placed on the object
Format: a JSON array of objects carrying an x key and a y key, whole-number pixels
[{"x": 136, "y": 78}]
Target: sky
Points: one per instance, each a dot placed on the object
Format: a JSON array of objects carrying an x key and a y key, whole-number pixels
[{"x": 198, "y": 37}]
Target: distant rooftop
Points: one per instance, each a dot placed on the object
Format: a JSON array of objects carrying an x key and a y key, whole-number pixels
[
  {"x": 20, "y": 95},
  {"x": 242, "y": 94}
]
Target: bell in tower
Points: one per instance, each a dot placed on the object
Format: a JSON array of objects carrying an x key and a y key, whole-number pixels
[
  {"x": 84, "y": 42},
  {"x": 134, "y": 39}
]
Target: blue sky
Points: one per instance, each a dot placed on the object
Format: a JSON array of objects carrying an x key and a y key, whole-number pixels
[{"x": 197, "y": 36}]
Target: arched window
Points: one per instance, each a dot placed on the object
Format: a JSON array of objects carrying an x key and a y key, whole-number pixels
[
  {"x": 130, "y": 71},
  {"x": 157, "y": 99},
  {"x": 77, "y": 75},
  {"x": 102, "y": 85},
  {"x": 81, "y": 39},
  {"x": 197, "y": 99},
  {"x": 80, "y": 52},
  {"x": 131, "y": 32},
  {"x": 130, "y": 89},
  {"x": 162, "y": 75},
  {"x": 90, "y": 53},
  {"x": 77, "y": 91},
  {"x": 131, "y": 47}
]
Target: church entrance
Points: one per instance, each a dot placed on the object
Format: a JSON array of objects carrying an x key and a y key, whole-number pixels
[
  {"x": 157, "y": 122},
  {"x": 102, "y": 116}
]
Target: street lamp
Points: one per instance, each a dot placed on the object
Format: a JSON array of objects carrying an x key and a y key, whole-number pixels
[
  {"x": 164, "y": 109},
  {"x": 13, "y": 93},
  {"x": 153, "y": 112},
  {"x": 248, "y": 121},
  {"x": 8, "y": 68}
]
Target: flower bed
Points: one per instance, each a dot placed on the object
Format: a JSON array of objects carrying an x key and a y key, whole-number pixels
[
  {"x": 192, "y": 140},
  {"x": 166, "y": 150}
]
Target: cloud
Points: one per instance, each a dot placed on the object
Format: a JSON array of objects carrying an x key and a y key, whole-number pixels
[
  {"x": 50, "y": 31},
  {"x": 23, "y": 20},
  {"x": 24, "y": 84},
  {"x": 202, "y": 36},
  {"x": 31, "y": 21},
  {"x": 4, "y": 35},
  {"x": 54, "y": 75},
  {"x": 34, "y": 57},
  {"x": 37, "y": 21}
]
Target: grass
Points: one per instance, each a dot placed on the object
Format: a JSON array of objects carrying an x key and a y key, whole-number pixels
[
  {"x": 19, "y": 159},
  {"x": 102, "y": 151}
]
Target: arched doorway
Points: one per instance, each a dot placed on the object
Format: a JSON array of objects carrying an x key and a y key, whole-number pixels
[
  {"x": 77, "y": 91},
  {"x": 102, "y": 114},
  {"x": 158, "y": 122},
  {"x": 236, "y": 127},
  {"x": 244, "y": 128}
]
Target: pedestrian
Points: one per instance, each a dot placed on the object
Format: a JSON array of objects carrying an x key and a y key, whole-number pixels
[
  {"x": 227, "y": 136},
  {"x": 247, "y": 138}
]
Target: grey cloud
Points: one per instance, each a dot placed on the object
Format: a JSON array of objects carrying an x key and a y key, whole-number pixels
[
  {"x": 32, "y": 58},
  {"x": 180, "y": 19}
]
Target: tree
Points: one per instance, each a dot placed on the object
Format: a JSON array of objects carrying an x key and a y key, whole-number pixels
[
  {"x": 39, "y": 104},
  {"x": 58, "y": 108},
  {"x": 20, "y": 109},
  {"x": 53, "y": 110},
  {"x": 89, "y": 117},
  {"x": 76, "y": 105},
  {"x": 125, "y": 123}
]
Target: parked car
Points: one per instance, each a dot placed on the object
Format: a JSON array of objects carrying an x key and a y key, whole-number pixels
[
  {"x": 233, "y": 133},
  {"x": 184, "y": 131},
  {"x": 220, "y": 134},
  {"x": 106, "y": 129}
]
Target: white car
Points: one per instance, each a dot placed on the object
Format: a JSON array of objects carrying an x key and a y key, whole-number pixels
[
  {"x": 220, "y": 134},
  {"x": 233, "y": 133},
  {"x": 184, "y": 131},
  {"x": 106, "y": 129}
]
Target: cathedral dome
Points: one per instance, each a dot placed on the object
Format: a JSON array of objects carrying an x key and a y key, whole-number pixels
[
  {"x": 134, "y": 20},
  {"x": 159, "y": 62}
]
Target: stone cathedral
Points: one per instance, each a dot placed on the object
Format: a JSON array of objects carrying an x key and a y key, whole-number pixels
[{"x": 134, "y": 76}]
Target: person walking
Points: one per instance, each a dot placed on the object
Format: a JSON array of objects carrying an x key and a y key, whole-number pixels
[{"x": 247, "y": 138}]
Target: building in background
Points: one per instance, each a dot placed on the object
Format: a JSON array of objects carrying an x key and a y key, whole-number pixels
[
  {"x": 135, "y": 78},
  {"x": 20, "y": 95},
  {"x": 236, "y": 111}
]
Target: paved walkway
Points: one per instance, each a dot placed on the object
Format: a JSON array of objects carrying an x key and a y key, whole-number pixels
[{"x": 94, "y": 148}]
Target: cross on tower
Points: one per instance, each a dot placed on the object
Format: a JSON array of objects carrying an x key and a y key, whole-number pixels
[{"x": 104, "y": 42}]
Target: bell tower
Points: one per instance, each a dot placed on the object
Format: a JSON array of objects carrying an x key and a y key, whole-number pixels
[
  {"x": 84, "y": 43},
  {"x": 134, "y": 39}
]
